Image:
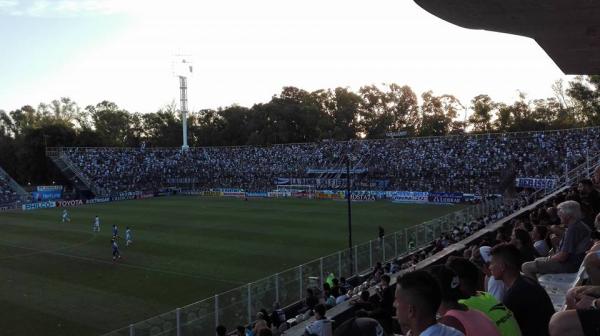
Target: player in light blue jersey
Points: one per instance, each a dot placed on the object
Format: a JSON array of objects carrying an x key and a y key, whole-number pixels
[
  {"x": 96, "y": 225},
  {"x": 128, "y": 236},
  {"x": 65, "y": 216}
]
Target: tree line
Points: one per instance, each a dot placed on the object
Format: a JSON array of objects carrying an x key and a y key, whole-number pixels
[{"x": 291, "y": 116}]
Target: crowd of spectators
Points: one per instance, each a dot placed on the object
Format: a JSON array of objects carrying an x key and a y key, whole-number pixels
[
  {"x": 466, "y": 163},
  {"x": 7, "y": 194}
]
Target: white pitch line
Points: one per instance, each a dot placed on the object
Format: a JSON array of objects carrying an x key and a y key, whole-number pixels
[{"x": 158, "y": 270}]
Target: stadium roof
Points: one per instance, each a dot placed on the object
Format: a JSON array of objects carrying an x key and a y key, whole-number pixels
[{"x": 568, "y": 30}]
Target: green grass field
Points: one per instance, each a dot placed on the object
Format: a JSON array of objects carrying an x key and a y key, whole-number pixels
[{"x": 59, "y": 279}]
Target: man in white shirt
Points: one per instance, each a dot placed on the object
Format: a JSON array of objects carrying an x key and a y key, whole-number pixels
[{"x": 418, "y": 298}]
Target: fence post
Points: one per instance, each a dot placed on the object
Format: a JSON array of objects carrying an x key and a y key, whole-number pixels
[
  {"x": 339, "y": 264},
  {"x": 356, "y": 259},
  {"x": 300, "y": 279},
  {"x": 370, "y": 253},
  {"x": 382, "y": 244},
  {"x": 277, "y": 287},
  {"x": 396, "y": 244},
  {"x": 178, "y": 319},
  {"x": 216, "y": 311},
  {"x": 322, "y": 279},
  {"x": 131, "y": 330},
  {"x": 249, "y": 304}
]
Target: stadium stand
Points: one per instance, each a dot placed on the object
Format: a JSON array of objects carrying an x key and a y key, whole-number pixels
[
  {"x": 416, "y": 164},
  {"x": 10, "y": 191}
]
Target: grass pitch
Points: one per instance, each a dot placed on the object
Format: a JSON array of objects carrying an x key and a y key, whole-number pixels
[{"x": 59, "y": 279}]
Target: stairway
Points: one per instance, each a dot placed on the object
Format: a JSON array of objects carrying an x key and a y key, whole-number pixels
[
  {"x": 81, "y": 182},
  {"x": 14, "y": 185}
]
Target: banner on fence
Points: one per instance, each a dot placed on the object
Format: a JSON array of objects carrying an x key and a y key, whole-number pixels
[
  {"x": 122, "y": 198},
  {"x": 212, "y": 193},
  {"x": 237, "y": 194},
  {"x": 275, "y": 194},
  {"x": 257, "y": 194},
  {"x": 445, "y": 197},
  {"x": 408, "y": 196},
  {"x": 229, "y": 190},
  {"x": 98, "y": 200},
  {"x": 535, "y": 183},
  {"x": 191, "y": 192},
  {"x": 363, "y": 197},
  {"x": 69, "y": 203},
  {"x": 47, "y": 193},
  {"x": 39, "y": 205},
  {"x": 330, "y": 194},
  {"x": 49, "y": 188}
]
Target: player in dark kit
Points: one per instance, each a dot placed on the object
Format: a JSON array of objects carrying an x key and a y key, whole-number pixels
[{"x": 115, "y": 249}]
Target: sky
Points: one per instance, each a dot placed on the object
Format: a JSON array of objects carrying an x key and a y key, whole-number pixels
[{"x": 244, "y": 52}]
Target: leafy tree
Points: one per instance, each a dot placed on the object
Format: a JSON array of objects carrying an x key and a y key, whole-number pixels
[
  {"x": 110, "y": 123},
  {"x": 483, "y": 107},
  {"x": 585, "y": 93},
  {"x": 438, "y": 113}
]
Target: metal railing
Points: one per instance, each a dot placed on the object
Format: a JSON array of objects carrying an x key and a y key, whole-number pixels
[
  {"x": 13, "y": 184},
  {"x": 240, "y": 305},
  {"x": 583, "y": 171},
  {"x": 58, "y": 154}
]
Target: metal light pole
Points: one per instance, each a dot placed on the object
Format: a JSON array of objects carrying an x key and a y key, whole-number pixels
[
  {"x": 183, "y": 96},
  {"x": 349, "y": 197},
  {"x": 182, "y": 68}
]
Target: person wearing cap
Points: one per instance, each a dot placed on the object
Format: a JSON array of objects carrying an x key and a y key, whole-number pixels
[
  {"x": 528, "y": 301},
  {"x": 455, "y": 314},
  {"x": 360, "y": 326},
  {"x": 492, "y": 285},
  {"x": 417, "y": 300},
  {"x": 469, "y": 276}
]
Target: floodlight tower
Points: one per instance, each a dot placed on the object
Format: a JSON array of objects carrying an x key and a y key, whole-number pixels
[{"x": 183, "y": 70}]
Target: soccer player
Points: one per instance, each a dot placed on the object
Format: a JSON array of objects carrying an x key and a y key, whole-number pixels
[
  {"x": 96, "y": 226},
  {"x": 65, "y": 216},
  {"x": 128, "y": 237},
  {"x": 115, "y": 249},
  {"x": 115, "y": 231}
]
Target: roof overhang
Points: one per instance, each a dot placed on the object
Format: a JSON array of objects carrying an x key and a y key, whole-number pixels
[{"x": 568, "y": 30}]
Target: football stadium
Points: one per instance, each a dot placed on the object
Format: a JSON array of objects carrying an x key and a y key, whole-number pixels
[{"x": 328, "y": 212}]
